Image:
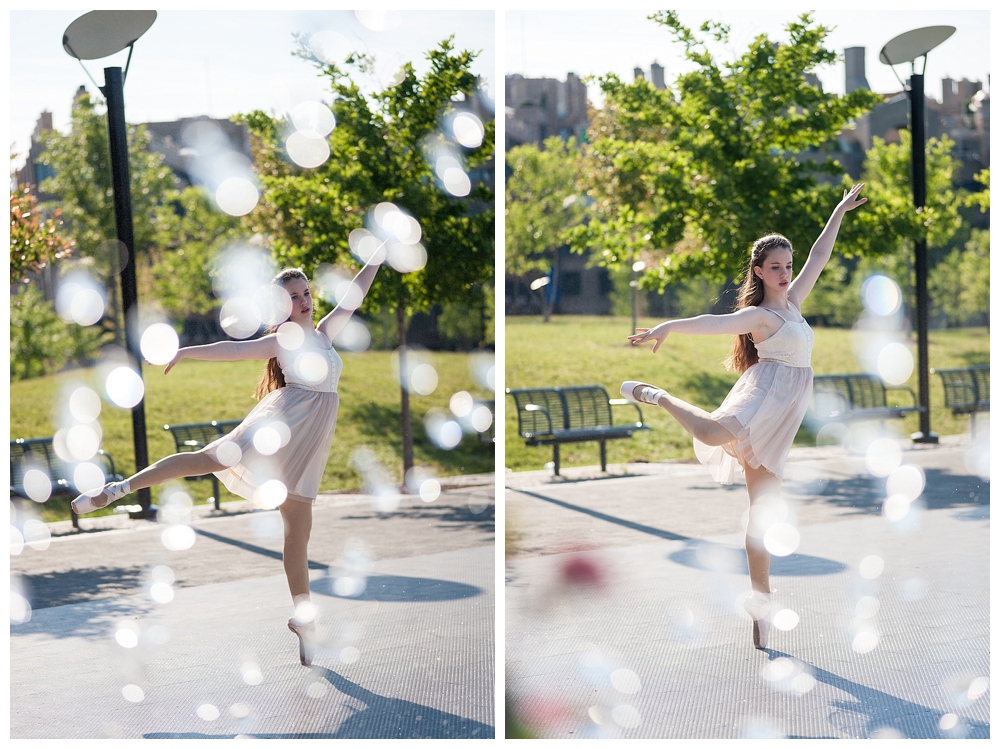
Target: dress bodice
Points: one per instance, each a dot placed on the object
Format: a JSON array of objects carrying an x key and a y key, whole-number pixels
[
  {"x": 312, "y": 367},
  {"x": 792, "y": 343}
]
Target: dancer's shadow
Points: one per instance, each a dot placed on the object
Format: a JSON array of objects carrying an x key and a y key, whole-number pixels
[
  {"x": 886, "y": 711},
  {"x": 387, "y": 588},
  {"x": 379, "y": 718},
  {"x": 714, "y": 557}
]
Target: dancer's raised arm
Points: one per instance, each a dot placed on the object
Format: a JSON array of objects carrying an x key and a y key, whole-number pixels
[
  {"x": 261, "y": 348},
  {"x": 735, "y": 323},
  {"x": 822, "y": 248},
  {"x": 334, "y": 322}
]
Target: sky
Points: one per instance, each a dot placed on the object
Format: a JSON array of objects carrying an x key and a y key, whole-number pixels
[
  {"x": 220, "y": 63},
  {"x": 548, "y": 44}
]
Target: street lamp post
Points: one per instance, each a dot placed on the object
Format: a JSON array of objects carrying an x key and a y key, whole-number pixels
[
  {"x": 93, "y": 36},
  {"x": 908, "y": 47}
]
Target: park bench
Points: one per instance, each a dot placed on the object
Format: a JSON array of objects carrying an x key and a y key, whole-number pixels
[
  {"x": 489, "y": 436},
  {"x": 966, "y": 390},
  {"x": 40, "y": 453},
  {"x": 189, "y": 438},
  {"x": 557, "y": 415},
  {"x": 856, "y": 397}
]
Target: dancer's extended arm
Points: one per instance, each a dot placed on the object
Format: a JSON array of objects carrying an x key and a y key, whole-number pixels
[
  {"x": 822, "y": 248},
  {"x": 262, "y": 348},
  {"x": 742, "y": 321},
  {"x": 334, "y": 322}
]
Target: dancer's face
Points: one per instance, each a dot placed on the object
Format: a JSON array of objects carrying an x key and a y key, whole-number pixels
[
  {"x": 302, "y": 302},
  {"x": 776, "y": 270}
]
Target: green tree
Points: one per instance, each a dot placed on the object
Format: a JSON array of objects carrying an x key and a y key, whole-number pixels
[
  {"x": 35, "y": 241},
  {"x": 542, "y": 205},
  {"x": 686, "y": 178},
  {"x": 960, "y": 284},
  {"x": 381, "y": 151},
  {"x": 81, "y": 162}
]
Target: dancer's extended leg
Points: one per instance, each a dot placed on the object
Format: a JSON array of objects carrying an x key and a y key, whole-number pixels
[
  {"x": 177, "y": 466},
  {"x": 696, "y": 421}
]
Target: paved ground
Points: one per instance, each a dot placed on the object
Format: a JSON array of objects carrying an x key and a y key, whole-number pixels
[
  {"x": 622, "y": 616},
  {"x": 411, "y": 656}
]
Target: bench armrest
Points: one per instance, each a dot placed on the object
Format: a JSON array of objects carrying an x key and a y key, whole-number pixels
[
  {"x": 548, "y": 416},
  {"x": 625, "y": 402},
  {"x": 907, "y": 388},
  {"x": 110, "y": 461}
]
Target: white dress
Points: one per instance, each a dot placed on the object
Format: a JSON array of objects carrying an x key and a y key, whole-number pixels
[
  {"x": 287, "y": 437},
  {"x": 766, "y": 406}
]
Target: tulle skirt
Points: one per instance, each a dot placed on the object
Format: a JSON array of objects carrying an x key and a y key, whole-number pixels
[
  {"x": 280, "y": 448},
  {"x": 763, "y": 412}
]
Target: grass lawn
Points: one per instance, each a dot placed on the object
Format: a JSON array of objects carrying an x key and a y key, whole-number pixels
[
  {"x": 202, "y": 391},
  {"x": 579, "y": 350}
]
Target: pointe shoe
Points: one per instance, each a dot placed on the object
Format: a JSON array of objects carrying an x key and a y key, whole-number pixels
[
  {"x": 111, "y": 492},
  {"x": 307, "y": 637},
  {"x": 758, "y": 606},
  {"x": 640, "y": 392}
]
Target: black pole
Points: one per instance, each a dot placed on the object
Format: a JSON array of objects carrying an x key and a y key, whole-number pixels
[
  {"x": 121, "y": 181},
  {"x": 919, "y": 169}
]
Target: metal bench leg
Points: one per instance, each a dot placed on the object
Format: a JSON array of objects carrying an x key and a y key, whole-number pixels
[
  {"x": 215, "y": 490},
  {"x": 555, "y": 456},
  {"x": 973, "y": 415},
  {"x": 604, "y": 456},
  {"x": 75, "y": 518}
]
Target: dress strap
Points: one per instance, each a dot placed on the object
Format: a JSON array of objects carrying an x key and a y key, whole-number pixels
[{"x": 775, "y": 312}]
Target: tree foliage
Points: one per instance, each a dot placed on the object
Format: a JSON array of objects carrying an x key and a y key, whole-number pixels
[
  {"x": 687, "y": 178},
  {"x": 35, "y": 241}
]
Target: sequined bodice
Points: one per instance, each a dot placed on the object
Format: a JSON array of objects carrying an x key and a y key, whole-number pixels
[
  {"x": 792, "y": 344},
  {"x": 312, "y": 368}
]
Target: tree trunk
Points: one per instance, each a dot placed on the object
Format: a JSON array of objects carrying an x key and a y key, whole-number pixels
[{"x": 404, "y": 394}]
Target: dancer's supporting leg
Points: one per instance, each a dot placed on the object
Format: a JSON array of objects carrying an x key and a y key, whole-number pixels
[
  {"x": 761, "y": 483},
  {"x": 297, "y": 517}
]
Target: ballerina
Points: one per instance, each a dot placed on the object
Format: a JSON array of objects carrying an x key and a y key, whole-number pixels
[
  {"x": 297, "y": 408},
  {"x": 754, "y": 427}
]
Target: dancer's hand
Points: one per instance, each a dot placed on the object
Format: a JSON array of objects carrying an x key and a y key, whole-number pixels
[
  {"x": 851, "y": 200},
  {"x": 177, "y": 357},
  {"x": 658, "y": 335}
]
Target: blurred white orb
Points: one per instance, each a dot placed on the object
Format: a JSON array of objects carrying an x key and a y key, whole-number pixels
[
  {"x": 314, "y": 116},
  {"x": 468, "y": 129},
  {"x": 895, "y": 363},
  {"x": 307, "y": 149},
  {"x": 159, "y": 343},
  {"x": 85, "y": 405},
  {"x": 237, "y": 196},
  {"x": 881, "y": 295}
]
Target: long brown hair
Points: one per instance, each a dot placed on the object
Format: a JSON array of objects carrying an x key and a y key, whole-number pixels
[
  {"x": 273, "y": 377},
  {"x": 751, "y": 294}
]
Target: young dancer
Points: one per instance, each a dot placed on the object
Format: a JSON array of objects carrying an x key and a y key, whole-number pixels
[
  {"x": 286, "y": 438},
  {"x": 754, "y": 427}
]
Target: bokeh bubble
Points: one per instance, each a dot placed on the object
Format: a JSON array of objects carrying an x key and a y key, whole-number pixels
[
  {"x": 178, "y": 537},
  {"x": 159, "y": 343},
  {"x": 907, "y": 480},
  {"x": 208, "y": 712},
  {"x": 330, "y": 47},
  {"x": 239, "y": 710},
  {"x": 626, "y": 716},
  {"x": 881, "y": 295},
  {"x": 161, "y": 592},
  {"x": 379, "y": 20},
  {"x": 133, "y": 693},
  {"x": 88, "y": 478},
  {"x": 240, "y": 317},
  {"x": 883, "y": 456},
  {"x": 36, "y": 534},
  {"x": 79, "y": 299},
  {"x": 407, "y": 258},
  {"x": 483, "y": 370},
  {"x": 237, "y": 196},
  {"x": 445, "y": 433},
  {"x": 423, "y": 379},
  {"x": 113, "y": 255},
  {"x": 291, "y": 336},
  {"x": 461, "y": 404},
  {"x": 82, "y": 441},
  {"x": 468, "y": 129},
  {"x": 266, "y": 441},
  {"x": 871, "y": 567},
  {"x": 16, "y": 541},
  {"x": 349, "y": 654},
  {"x": 271, "y": 493},
  {"x": 867, "y": 607},
  {"x": 481, "y": 418},
  {"x": 865, "y": 640},
  {"x": 273, "y": 302},
  {"x": 313, "y": 116},
  {"x": 785, "y": 620},
  {"x": 239, "y": 270},
  {"x": 312, "y": 367},
  {"x": 478, "y": 502},
  {"x": 252, "y": 675},
  {"x": 84, "y": 405},
  {"x": 453, "y": 177},
  {"x": 354, "y": 336},
  {"x": 363, "y": 244},
  {"x": 781, "y": 539},
  {"x": 127, "y": 634},
  {"x": 124, "y": 387},
  {"x": 895, "y": 363},
  {"x": 20, "y": 608},
  {"x": 307, "y": 149},
  {"x": 625, "y": 681},
  {"x": 37, "y": 485},
  {"x": 421, "y": 482}
]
